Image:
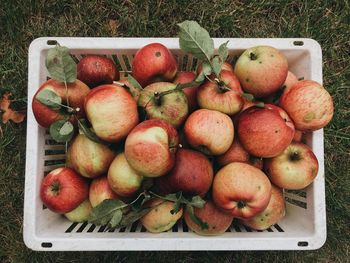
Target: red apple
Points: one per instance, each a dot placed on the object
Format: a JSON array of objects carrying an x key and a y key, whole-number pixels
[
  {"x": 273, "y": 213},
  {"x": 192, "y": 174},
  {"x": 236, "y": 153},
  {"x": 100, "y": 191},
  {"x": 45, "y": 115},
  {"x": 218, "y": 221},
  {"x": 96, "y": 70},
  {"x": 62, "y": 190},
  {"x": 150, "y": 148},
  {"x": 298, "y": 136},
  {"x": 80, "y": 213},
  {"x": 209, "y": 131},
  {"x": 308, "y": 104},
  {"x": 295, "y": 168},
  {"x": 112, "y": 112},
  {"x": 190, "y": 92},
  {"x": 241, "y": 190},
  {"x": 223, "y": 95},
  {"x": 88, "y": 158},
  {"x": 261, "y": 70},
  {"x": 172, "y": 107},
  {"x": 122, "y": 178},
  {"x": 153, "y": 63},
  {"x": 265, "y": 132}
]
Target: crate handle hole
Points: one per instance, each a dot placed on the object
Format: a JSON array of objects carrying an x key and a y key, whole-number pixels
[
  {"x": 46, "y": 244},
  {"x": 298, "y": 43},
  {"x": 51, "y": 42},
  {"x": 303, "y": 244}
]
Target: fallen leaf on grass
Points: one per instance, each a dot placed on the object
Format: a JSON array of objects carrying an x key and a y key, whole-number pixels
[
  {"x": 8, "y": 113},
  {"x": 112, "y": 25}
]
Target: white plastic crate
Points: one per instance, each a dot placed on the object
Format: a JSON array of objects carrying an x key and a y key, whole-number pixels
[{"x": 304, "y": 226}]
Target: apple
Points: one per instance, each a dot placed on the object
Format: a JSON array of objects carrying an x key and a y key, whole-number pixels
[
  {"x": 261, "y": 70},
  {"x": 159, "y": 218},
  {"x": 76, "y": 91},
  {"x": 135, "y": 92},
  {"x": 295, "y": 168},
  {"x": 309, "y": 105},
  {"x": 265, "y": 132},
  {"x": 218, "y": 221},
  {"x": 298, "y": 136},
  {"x": 241, "y": 190},
  {"x": 123, "y": 179},
  {"x": 80, "y": 213},
  {"x": 152, "y": 63},
  {"x": 172, "y": 107},
  {"x": 236, "y": 153},
  {"x": 100, "y": 190},
  {"x": 288, "y": 83},
  {"x": 223, "y": 95},
  {"x": 192, "y": 174},
  {"x": 96, "y": 70},
  {"x": 190, "y": 92},
  {"x": 62, "y": 190},
  {"x": 273, "y": 213},
  {"x": 209, "y": 131},
  {"x": 112, "y": 112},
  {"x": 90, "y": 159},
  {"x": 150, "y": 148}
]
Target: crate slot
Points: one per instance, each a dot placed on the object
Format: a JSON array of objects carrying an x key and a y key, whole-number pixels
[
  {"x": 127, "y": 63},
  {"x": 54, "y": 162},
  {"x": 122, "y": 63},
  {"x": 189, "y": 62},
  {"x": 296, "y": 202},
  {"x": 82, "y": 227},
  {"x": 53, "y": 157},
  {"x": 91, "y": 228},
  {"x": 183, "y": 65},
  {"x": 71, "y": 228},
  {"x": 116, "y": 62},
  {"x": 52, "y": 167},
  {"x": 301, "y": 193},
  {"x": 279, "y": 229}
]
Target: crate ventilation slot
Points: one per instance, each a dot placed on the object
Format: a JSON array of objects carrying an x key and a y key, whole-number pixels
[
  {"x": 296, "y": 197},
  {"x": 137, "y": 228}
]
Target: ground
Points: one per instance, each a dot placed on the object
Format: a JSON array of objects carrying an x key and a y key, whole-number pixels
[{"x": 328, "y": 22}]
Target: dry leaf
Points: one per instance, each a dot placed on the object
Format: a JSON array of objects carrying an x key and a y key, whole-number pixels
[
  {"x": 112, "y": 25},
  {"x": 8, "y": 113}
]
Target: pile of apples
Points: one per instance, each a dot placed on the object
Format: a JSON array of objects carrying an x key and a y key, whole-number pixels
[{"x": 207, "y": 140}]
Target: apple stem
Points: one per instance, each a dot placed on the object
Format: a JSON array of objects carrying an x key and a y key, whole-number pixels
[
  {"x": 158, "y": 97},
  {"x": 222, "y": 87},
  {"x": 252, "y": 56}
]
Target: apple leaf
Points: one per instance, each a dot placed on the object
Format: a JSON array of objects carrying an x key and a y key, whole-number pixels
[
  {"x": 133, "y": 216},
  {"x": 248, "y": 97},
  {"x": 260, "y": 104},
  {"x": 116, "y": 218},
  {"x": 223, "y": 52},
  {"x": 195, "y": 218},
  {"x": 103, "y": 213},
  {"x": 197, "y": 201},
  {"x": 61, "y": 65},
  {"x": 206, "y": 71},
  {"x": 84, "y": 128},
  {"x": 49, "y": 98},
  {"x": 216, "y": 64},
  {"x": 196, "y": 40},
  {"x": 61, "y": 131},
  {"x": 134, "y": 82}
]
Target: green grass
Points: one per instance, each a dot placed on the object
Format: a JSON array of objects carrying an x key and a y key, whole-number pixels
[{"x": 326, "y": 21}]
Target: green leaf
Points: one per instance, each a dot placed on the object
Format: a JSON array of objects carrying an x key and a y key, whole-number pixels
[
  {"x": 195, "y": 218},
  {"x": 216, "y": 64},
  {"x": 116, "y": 218},
  {"x": 206, "y": 71},
  {"x": 223, "y": 52},
  {"x": 61, "y": 65},
  {"x": 104, "y": 212},
  {"x": 61, "y": 131},
  {"x": 196, "y": 40},
  {"x": 248, "y": 96},
  {"x": 134, "y": 82},
  {"x": 133, "y": 216},
  {"x": 177, "y": 204},
  {"x": 197, "y": 201},
  {"x": 49, "y": 98},
  {"x": 84, "y": 128},
  {"x": 260, "y": 104}
]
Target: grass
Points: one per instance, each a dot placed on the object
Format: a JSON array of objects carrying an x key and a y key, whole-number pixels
[{"x": 326, "y": 21}]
